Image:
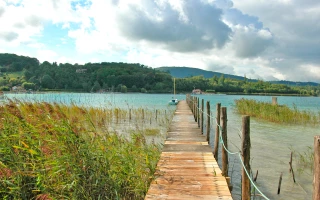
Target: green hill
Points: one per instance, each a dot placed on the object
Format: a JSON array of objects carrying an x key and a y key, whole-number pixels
[{"x": 184, "y": 72}]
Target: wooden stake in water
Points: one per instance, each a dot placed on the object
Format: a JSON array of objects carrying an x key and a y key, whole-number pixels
[
  {"x": 224, "y": 153},
  {"x": 198, "y": 114},
  {"x": 202, "y": 113},
  {"x": 216, "y": 139},
  {"x": 246, "y": 145},
  {"x": 274, "y": 101},
  {"x": 279, "y": 185},
  {"x": 316, "y": 169},
  {"x": 208, "y": 121}
]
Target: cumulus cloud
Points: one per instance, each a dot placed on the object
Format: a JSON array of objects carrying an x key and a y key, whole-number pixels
[
  {"x": 1, "y": 11},
  {"x": 200, "y": 28},
  {"x": 8, "y": 36},
  {"x": 263, "y": 39},
  {"x": 250, "y": 42}
]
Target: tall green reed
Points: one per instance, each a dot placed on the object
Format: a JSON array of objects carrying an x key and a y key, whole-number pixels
[
  {"x": 55, "y": 151},
  {"x": 276, "y": 113}
]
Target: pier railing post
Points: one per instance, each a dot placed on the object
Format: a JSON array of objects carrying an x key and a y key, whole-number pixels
[
  {"x": 202, "y": 115},
  {"x": 316, "y": 169},
  {"x": 216, "y": 139},
  {"x": 246, "y": 145},
  {"x": 197, "y": 108},
  {"x": 194, "y": 108},
  {"x": 208, "y": 121},
  {"x": 224, "y": 153},
  {"x": 198, "y": 114}
]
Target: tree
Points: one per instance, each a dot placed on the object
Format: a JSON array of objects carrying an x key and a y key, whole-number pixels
[
  {"x": 28, "y": 86},
  {"x": 96, "y": 87},
  {"x": 143, "y": 90},
  {"x": 134, "y": 88},
  {"x": 124, "y": 89},
  {"x": 47, "y": 82},
  {"x": 221, "y": 80}
]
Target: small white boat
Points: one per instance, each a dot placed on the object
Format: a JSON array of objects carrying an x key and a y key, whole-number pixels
[{"x": 174, "y": 101}]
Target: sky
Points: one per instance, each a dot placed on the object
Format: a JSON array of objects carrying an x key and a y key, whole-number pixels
[{"x": 261, "y": 39}]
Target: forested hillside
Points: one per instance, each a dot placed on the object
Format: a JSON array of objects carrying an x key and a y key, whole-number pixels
[
  {"x": 185, "y": 72},
  {"x": 91, "y": 77},
  {"x": 24, "y": 73}
]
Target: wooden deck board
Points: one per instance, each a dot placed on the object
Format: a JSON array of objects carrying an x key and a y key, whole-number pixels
[{"x": 187, "y": 168}]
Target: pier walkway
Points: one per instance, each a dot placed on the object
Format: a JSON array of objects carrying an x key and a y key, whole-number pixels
[{"x": 187, "y": 168}]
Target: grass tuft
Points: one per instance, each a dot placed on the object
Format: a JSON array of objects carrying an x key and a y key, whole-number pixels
[{"x": 276, "y": 113}]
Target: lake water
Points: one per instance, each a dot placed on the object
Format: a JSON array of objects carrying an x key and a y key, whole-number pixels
[{"x": 271, "y": 143}]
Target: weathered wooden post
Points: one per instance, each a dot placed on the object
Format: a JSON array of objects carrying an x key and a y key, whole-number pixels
[
  {"x": 197, "y": 109},
  {"x": 156, "y": 114},
  {"x": 316, "y": 169},
  {"x": 130, "y": 114},
  {"x": 194, "y": 107},
  {"x": 208, "y": 121},
  {"x": 143, "y": 114},
  {"x": 117, "y": 115},
  {"x": 279, "y": 185},
  {"x": 198, "y": 116},
  {"x": 224, "y": 153},
  {"x": 216, "y": 139},
  {"x": 246, "y": 145},
  {"x": 202, "y": 115},
  {"x": 274, "y": 101}
]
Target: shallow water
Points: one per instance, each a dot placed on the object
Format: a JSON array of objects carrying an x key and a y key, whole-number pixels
[{"x": 271, "y": 143}]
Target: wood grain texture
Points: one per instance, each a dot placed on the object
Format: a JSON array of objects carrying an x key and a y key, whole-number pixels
[{"x": 187, "y": 168}]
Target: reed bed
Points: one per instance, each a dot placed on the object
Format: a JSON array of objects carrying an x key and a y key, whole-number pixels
[
  {"x": 276, "y": 113},
  {"x": 55, "y": 151}
]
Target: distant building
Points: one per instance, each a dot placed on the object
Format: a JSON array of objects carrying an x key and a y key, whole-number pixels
[
  {"x": 196, "y": 91},
  {"x": 81, "y": 71}
]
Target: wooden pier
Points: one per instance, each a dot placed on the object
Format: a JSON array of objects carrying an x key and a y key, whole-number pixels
[{"x": 187, "y": 168}]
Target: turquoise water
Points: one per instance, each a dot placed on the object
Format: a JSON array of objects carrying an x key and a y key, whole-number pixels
[{"x": 271, "y": 143}]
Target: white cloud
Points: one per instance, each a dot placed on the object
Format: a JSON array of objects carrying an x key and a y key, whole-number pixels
[{"x": 263, "y": 39}]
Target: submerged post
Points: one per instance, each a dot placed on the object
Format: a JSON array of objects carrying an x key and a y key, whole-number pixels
[
  {"x": 224, "y": 153},
  {"x": 202, "y": 114},
  {"x": 216, "y": 139},
  {"x": 246, "y": 145},
  {"x": 316, "y": 169},
  {"x": 208, "y": 121}
]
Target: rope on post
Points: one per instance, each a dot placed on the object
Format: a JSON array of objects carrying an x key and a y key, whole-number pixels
[{"x": 235, "y": 153}]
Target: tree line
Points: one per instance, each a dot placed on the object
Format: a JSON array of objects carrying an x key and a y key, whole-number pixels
[{"x": 124, "y": 77}]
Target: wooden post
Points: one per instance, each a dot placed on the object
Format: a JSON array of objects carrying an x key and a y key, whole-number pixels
[
  {"x": 246, "y": 145},
  {"x": 216, "y": 139},
  {"x": 197, "y": 109},
  {"x": 194, "y": 107},
  {"x": 156, "y": 114},
  {"x": 208, "y": 121},
  {"x": 143, "y": 114},
  {"x": 279, "y": 185},
  {"x": 130, "y": 114},
  {"x": 198, "y": 116},
  {"x": 224, "y": 153},
  {"x": 255, "y": 178},
  {"x": 316, "y": 169},
  {"x": 202, "y": 115},
  {"x": 274, "y": 101},
  {"x": 117, "y": 114},
  {"x": 291, "y": 169}
]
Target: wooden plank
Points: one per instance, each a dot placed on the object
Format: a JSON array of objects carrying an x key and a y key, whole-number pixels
[{"x": 186, "y": 168}]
